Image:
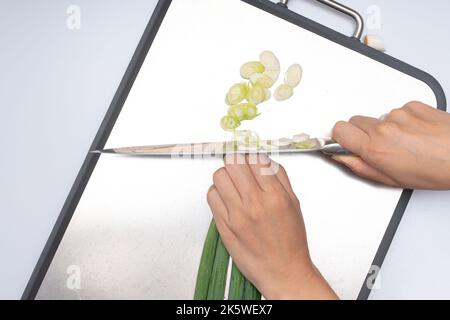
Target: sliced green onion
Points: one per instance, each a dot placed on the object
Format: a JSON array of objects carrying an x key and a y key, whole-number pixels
[
  {"x": 250, "y": 111},
  {"x": 256, "y": 94},
  {"x": 229, "y": 123},
  {"x": 250, "y": 68},
  {"x": 293, "y": 75},
  {"x": 273, "y": 74},
  {"x": 243, "y": 111},
  {"x": 283, "y": 92},
  {"x": 236, "y": 94},
  {"x": 237, "y": 112},
  {"x": 267, "y": 94},
  {"x": 283, "y": 142},
  {"x": 299, "y": 138},
  {"x": 308, "y": 144},
  {"x": 269, "y": 60},
  {"x": 262, "y": 79}
]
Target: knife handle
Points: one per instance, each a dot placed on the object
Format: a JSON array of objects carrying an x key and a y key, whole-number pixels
[{"x": 333, "y": 149}]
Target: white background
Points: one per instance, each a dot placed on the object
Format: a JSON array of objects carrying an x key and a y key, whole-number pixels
[{"x": 90, "y": 63}]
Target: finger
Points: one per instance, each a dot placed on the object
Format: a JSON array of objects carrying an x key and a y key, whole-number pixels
[
  {"x": 220, "y": 213},
  {"x": 216, "y": 204},
  {"x": 364, "y": 170},
  {"x": 285, "y": 182},
  {"x": 241, "y": 175},
  {"x": 351, "y": 137},
  {"x": 366, "y": 124},
  {"x": 261, "y": 167},
  {"x": 423, "y": 112},
  {"x": 226, "y": 189}
]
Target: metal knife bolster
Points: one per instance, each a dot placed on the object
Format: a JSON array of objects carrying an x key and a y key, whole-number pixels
[{"x": 334, "y": 148}]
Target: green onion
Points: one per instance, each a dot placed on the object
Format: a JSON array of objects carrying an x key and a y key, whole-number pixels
[
  {"x": 269, "y": 60},
  {"x": 271, "y": 64},
  {"x": 217, "y": 283},
  {"x": 267, "y": 94},
  {"x": 250, "y": 68},
  {"x": 237, "y": 281},
  {"x": 250, "y": 292},
  {"x": 236, "y": 93},
  {"x": 229, "y": 123},
  {"x": 293, "y": 75},
  {"x": 283, "y": 92},
  {"x": 308, "y": 144},
  {"x": 206, "y": 263},
  {"x": 256, "y": 94},
  {"x": 250, "y": 111},
  {"x": 243, "y": 111},
  {"x": 262, "y": 79},
  {"x": 237, "y": 112}
]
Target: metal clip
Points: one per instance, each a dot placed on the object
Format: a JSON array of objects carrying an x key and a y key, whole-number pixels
[{"x": 341, "y": 8}]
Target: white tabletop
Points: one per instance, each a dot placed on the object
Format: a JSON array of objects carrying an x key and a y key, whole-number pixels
[{"x": 56, "y": 84}]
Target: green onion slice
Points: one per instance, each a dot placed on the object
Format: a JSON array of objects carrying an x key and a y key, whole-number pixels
[
  {"x": 229, "y": 123},
  {"x": 256, "y": 94},
  {"x": 293, "y": 75},
  {"x": 261, "y": 79},
  {"x": 283, "y": 92},
  {"x": 250, "y": 68},
  {"x": 236, "y": 93}
]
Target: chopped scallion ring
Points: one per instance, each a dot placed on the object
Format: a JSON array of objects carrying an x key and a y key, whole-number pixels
[
  {"x": 243, "y": 111},
  {"x": 256, "y": 94},
  {"x": 309, "y": 144},
  {"x": 229, "y": 123},
  {"x": 261, "y": 79},
  {"x": 250, "y": 111},
  {"x": 299, "y": 138},
  {"x": 283, "y": 92},
  {"x": 271, "y": 64},
  {"x": 273, "y": 74},
  {"x": 268, "y": 94},
  {"x": 237, "y": 112},
  {"x": 269, "y": 60},
  {"x": 237, "y": 93},
  {"x": 250, "y": 68},
  {"x": 283, "y": 142},
  {"x": 293, "y": 75}
]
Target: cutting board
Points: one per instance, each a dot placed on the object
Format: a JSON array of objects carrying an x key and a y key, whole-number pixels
[{"x": 138, "y": 228}]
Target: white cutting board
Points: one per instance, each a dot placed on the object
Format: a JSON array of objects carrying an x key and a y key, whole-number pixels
[{"x": 155, "y": 209}]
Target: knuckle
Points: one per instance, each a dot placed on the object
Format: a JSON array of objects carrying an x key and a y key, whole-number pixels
[
  {"x": 255, "y": 212},
  {"x": 236, "y": 223},
  {"x": 412, "y": 105},
  {"x": 386, "y": 128},
  {"x": 397, "y": 114},
  {"x": 281, "y": 201}
]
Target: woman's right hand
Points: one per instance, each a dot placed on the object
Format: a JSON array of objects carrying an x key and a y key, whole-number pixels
[{"x": 409, "y": 147}]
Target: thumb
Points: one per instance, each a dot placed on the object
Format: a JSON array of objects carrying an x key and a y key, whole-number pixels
[{"x": 364, "y": 170}]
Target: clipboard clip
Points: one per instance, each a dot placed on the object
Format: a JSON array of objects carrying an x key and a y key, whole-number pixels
[{"x": 343, "y": 9}]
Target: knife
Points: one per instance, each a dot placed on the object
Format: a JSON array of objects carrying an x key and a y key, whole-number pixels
[{"x": 326, "y": 146}]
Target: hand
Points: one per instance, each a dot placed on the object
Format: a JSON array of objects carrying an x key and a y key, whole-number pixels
[
  {"x": 259, "y": 220},
  {"x": 409, "y": 148}
]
